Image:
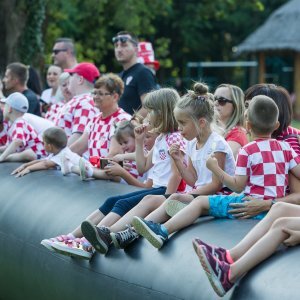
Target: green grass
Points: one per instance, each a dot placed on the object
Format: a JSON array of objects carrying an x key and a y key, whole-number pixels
[{"x": 296, "y": 124}]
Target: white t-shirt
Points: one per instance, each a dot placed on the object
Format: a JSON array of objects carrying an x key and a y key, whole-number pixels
[
  {"x": 38, "y": 123},
  {"x": 49, "y": 99},
  {"x": 57, "y": 158},
  {"x": 215, "y": 143}
]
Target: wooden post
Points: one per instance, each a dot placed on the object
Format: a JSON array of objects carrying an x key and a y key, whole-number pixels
[
  {"x": 297, "y": 85},
  {"x": 261, "y": 67}
]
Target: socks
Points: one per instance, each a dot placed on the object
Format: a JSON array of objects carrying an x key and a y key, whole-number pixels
[{"x": 164, "y": 230}]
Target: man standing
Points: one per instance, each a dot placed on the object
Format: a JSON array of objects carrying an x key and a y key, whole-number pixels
[
  {"x": 15, "y": 80},
  {"x": 79, "y": 111},
  {"x": 64, "y": 54},
  {"x": 138, "y": 80}
]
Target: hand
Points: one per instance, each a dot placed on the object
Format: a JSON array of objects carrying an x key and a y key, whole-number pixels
[
  {"x": 293, "y": 239},
  {"x": 113, "y": 169},
  {"x": 22, "y": 173},
  {"x": 212, "y": 163},
  {"x": 175, "y": 151},
  {"x": 140, "y": 132},
  {"x": 250, "y": 207},
  {"x": 127, "y": 166},
  {"x": 19, "y": 169},
  {"x": 118, "y": 157}
]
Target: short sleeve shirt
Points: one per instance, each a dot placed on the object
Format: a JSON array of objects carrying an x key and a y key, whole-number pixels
[
  {"x": 53, "y": 111},
  {"x": 138, "y": 80},
  {"x": 267, "y": 164},
  {"x": 101, "y": 131},
  {"x": 237, "y": 134},
  {"x": 76, "y": 114},
  {"x": 3, "y": 134},
  {"x": 23, "y": 131},
  {"x": 290, "y": 135}
]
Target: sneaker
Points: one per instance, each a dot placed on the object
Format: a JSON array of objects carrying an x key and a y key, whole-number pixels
[
  {"x": 98, "y": 237},
  {"x": 61, "y": 238},
  {"x": 218, "y": 252},
  {"x": 85, "y": 169},
  {"x": 74, "y": 248},
  {"x": 174, "y": 206},
  {"x": 65, "y": 165},
  {"x": 216, "y": 271},
  {"x": 151, "y": 231},
  {"x": 123, "y": 238}
]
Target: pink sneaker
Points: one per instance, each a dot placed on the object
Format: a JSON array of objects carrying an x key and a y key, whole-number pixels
[
  {"x": 75, "y": 248},
  {"x": 216, "y": 271},
  {"x": 61, "y": 238},
  {"x": 218, "y": 252}
]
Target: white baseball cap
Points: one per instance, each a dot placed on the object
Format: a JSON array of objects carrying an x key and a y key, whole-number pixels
[{"x": 18, "y": 102}]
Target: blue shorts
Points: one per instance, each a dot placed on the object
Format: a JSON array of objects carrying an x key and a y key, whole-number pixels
[{"x": 219, "y": 206}]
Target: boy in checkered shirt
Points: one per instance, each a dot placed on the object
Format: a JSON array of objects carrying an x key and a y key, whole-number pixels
[{"x": 23, "y": 142}]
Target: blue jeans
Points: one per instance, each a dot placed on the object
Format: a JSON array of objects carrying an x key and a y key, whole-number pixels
[{"x": 121, "y": 204}]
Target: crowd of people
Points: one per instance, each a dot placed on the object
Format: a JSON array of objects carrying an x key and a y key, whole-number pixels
[{"x": 228, "y": 154}]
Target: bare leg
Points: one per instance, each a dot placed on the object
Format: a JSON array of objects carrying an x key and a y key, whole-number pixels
[
  {"x": 145, "y": 207},
  {"x": 264, "y": 247},
  {"x": 109, "y": 219},
  {"x": 280, "y": 209},
  {"x": 188, "y": 215},
  {"x": 26, "y": 155},
  {"x": 95, "y": 217}
]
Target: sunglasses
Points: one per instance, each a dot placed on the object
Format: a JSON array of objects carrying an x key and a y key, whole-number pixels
[
  {"x": 222, "y": 100},
  {"x": 56, "y": 51},
  {"x": 123, "y": 39}
]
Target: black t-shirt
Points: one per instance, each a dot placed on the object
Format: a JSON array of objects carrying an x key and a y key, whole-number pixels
[
  {"x": 34, "y": 104},
  {"x": 138, "y": 80}
]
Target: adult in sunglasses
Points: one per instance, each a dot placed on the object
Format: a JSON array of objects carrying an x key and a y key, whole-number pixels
[
  {"x": 229, "y": 104},
  {"x": 64, "y": 54},
  {"x": 138, "y": 80},
  {"x": 284, "y": 132}
]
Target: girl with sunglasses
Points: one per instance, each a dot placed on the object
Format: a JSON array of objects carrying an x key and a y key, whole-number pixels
[{"x": 229, "y": 104}]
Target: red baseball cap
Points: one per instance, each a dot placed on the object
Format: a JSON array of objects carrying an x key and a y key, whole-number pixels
[{"x": 87, "y": 70}]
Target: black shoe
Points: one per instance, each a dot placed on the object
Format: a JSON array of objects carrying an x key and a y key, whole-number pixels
[
  {"x": 98, "y": 237},
  {"x": 123, "y": 238}
]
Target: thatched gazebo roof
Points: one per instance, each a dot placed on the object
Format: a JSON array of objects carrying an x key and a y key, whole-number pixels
[{"x": 281, "y": 31}]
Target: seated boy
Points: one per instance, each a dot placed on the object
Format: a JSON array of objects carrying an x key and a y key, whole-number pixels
[
  {"x": 261, "y": 171},
  {"x": 23, "y": 142},
  {"x": 55, "y": 142}
]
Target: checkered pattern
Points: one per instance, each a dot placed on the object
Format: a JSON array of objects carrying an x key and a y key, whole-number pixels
[
  {"x": 101, "y": 130},
  {"x": 53, "y": 111},
  {"x": 23, "y": 131},
  {"x": 3, "y": 134},
  {"x": 290, "y": 135},
  {"x": 176, "y": 138},
  {"x": 266, "y": 163},
  {"x": 76, "y": 114}
]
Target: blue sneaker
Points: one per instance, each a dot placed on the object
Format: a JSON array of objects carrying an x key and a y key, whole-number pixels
[{"x": 153, "y": 232}]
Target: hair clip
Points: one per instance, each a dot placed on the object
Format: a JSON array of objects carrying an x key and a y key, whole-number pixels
[{"x": 201, "y": 98}]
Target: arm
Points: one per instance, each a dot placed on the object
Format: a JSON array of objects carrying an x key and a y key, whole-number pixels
[
  {"x": 124, "y": 156},
  {"x": 80, "y": 145},
  {"x": 235, "y": 183},
  {"x": 235, "y": 147},
  {"x": 114, "y": 148},
  {"x": 187, "y": 173},
  {"x": 174, "y": 180},
  {"x": 11, "y": 148},
  {"x": 215, "y": 185},
  {"x": 38, "y": 166},
  {"x": 74, "y": 137},
  {"x": 23, "y": 166}
]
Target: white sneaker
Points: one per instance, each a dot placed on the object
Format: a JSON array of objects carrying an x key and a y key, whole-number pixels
[
  {"x": 61, "y": 238},
  {"x": 74, "y": 248},
  {"x": 85, "y": 169}
]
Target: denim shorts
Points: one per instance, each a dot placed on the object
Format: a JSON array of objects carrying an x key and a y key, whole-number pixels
[{"x": 219, "y": 206}]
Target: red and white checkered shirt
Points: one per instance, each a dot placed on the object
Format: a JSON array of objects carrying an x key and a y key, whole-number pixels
[
  {"x": 267, "y": 164},
  {"x": 101, "y": 130},
  {"x": 21, "y": 130},
  {"x": 53, "y": 111},
  {"x": 76, "y": 114},
  {"x": 3, "y": 134}
]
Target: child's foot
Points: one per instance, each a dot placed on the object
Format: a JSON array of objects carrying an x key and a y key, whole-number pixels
[
  {"x": 174, "y": 206},
  {"x": 98, "y": 237},
  {"x": 218, "y": 252},
  {"x": 61, "y": 238},
  {"x": 85, "y": 169},
  {"x": 216, "y": 271},
  {"x": 153, "y": 232},
  {"x": 123, "y": 238},
  {"x": 75, "y": 248}
]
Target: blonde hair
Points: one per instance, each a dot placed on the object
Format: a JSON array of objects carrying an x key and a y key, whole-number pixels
[
  {"x": 161, "y": 104},
  {"x": 237, "y": 96},
  {"x": 63, "y": 77},
  {"x": 198, "y": 103},
  {"x": 122, "y": 128}
]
